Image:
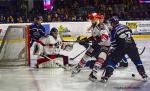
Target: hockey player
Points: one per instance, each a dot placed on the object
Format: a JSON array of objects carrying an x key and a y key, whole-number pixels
[
  {"x": 99, "y": 47},
  {"x": 51, "y": 48},
  {"x": 36, "y": 30},
  {"x": 122, "y": 43}
]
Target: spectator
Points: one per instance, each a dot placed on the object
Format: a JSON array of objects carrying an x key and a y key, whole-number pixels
[{"x": 77, "y": 10}]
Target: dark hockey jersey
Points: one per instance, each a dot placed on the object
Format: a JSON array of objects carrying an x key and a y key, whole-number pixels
[
  {"x": 37, "y": 31},
  {"x": 121, "y": 35}
]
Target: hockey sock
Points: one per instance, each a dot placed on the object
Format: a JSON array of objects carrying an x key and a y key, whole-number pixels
[
  {"x": 140, "y": 67},
  {"x": 137, "y": 62},
  {"x": 90, "y": 64},
  {"x": 141, "y": 70},
  {"x": 109, "y": 71},
  {"x": 82, "y": 63},
  {"x": 110, "y": 68},
  {"x": 97, "y": 66}
]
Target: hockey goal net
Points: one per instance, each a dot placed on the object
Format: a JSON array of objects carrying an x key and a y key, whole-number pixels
[{"x": 14, "y": 49}]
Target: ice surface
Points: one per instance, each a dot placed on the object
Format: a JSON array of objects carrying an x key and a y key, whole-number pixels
[{"x": 29, "y": 79}]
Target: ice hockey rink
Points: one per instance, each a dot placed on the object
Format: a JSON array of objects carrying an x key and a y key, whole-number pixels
[{"x": 56, "y": 79}]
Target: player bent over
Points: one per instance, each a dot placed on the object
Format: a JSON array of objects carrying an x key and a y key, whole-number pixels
[
  {"x": 99, "y": 47},
  {"x": 122, "y": 43},
  {"x": 51, "y": 47}
]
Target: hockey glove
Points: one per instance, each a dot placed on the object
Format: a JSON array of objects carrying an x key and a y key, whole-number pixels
[{"x": 57, "y": 44}]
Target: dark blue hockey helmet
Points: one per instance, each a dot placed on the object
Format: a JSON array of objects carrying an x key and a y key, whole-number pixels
[
  {"x": 114, "y": 19},
  {"x": 38, "y": 18}
]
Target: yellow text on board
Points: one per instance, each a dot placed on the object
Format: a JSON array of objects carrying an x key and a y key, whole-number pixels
[{"x": 132, "y": 25}]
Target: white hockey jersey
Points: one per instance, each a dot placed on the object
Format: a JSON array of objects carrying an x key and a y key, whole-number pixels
[
  {"x": 48, "y": 45},
  {"x": 50, "y": 40},
  {"x": 100, "y": 34}
]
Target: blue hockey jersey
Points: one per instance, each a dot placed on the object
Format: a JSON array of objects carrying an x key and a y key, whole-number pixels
[
  {"x": 121, "y": 35},
  {"x": 36, "y": 31}
]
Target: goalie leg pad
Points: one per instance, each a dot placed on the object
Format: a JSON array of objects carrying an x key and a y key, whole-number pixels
[
  {"x": 42, "y": 60},
  {"x": 65, "y": 60}
]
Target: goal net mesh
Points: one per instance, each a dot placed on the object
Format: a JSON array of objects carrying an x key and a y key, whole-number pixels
[{"x": 13, "y": 48}]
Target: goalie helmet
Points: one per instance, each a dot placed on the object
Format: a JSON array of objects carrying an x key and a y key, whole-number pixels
[{"x": 53, "y": 30}]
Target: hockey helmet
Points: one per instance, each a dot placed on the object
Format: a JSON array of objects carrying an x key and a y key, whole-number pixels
[
  {"x": 114, "y": 19},
  {"x": 53, "y": 30},
  {"x": 93, "y": 16},
  {"x": 38, "y": 18}
]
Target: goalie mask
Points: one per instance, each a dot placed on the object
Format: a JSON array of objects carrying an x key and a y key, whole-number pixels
[{"x": 54, "y": 32}]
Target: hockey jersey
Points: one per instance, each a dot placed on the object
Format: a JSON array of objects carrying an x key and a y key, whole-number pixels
[
  {"x": 52, "y": 45},
  {"x": 48, "y": 45},
  {"x": 36, "y": 31},
  {"x": 100, "y": 34},
  {"x": 121, "y": 35}
]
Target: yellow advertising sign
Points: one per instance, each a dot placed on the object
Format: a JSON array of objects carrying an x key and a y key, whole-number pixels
[{"x": 132, "y": 25}]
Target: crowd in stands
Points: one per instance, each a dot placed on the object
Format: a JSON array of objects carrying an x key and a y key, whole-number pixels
[{"x": 78, "y": 10}]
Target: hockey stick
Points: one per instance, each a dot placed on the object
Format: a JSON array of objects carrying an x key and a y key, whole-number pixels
[
  {"x": 142, "y": 51},
  {"x": 54, "y": 62},
  {"x": 79, "y": 53}
]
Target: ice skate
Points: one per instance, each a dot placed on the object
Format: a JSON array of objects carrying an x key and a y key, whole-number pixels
[
  {"x": 92, "y": 77},
  {"x": 76, "y": 70},
  {"x": 145, "y": 77},
  {"x": 104, "y": 79}
]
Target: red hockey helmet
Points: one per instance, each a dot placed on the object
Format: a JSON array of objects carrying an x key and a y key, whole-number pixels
[{"x": 95, "y": 15}]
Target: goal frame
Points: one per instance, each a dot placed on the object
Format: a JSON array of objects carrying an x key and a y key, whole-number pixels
[{"x": 26, "y": 38}]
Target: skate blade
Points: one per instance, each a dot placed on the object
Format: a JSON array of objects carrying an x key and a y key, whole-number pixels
[
  {"x": 73, "y": 74},
  {"x": 103, "y": 81},
  {"x": 93, "y": 80},
  {"x": 145, "y": 79}
]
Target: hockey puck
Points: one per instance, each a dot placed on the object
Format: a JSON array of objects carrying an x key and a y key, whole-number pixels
[{"x": 133, "y": 75}]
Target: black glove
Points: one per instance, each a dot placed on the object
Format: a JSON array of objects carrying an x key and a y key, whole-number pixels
[
  {"x": 57, "y": 44},
  {"x": 83, "y": 39}
]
